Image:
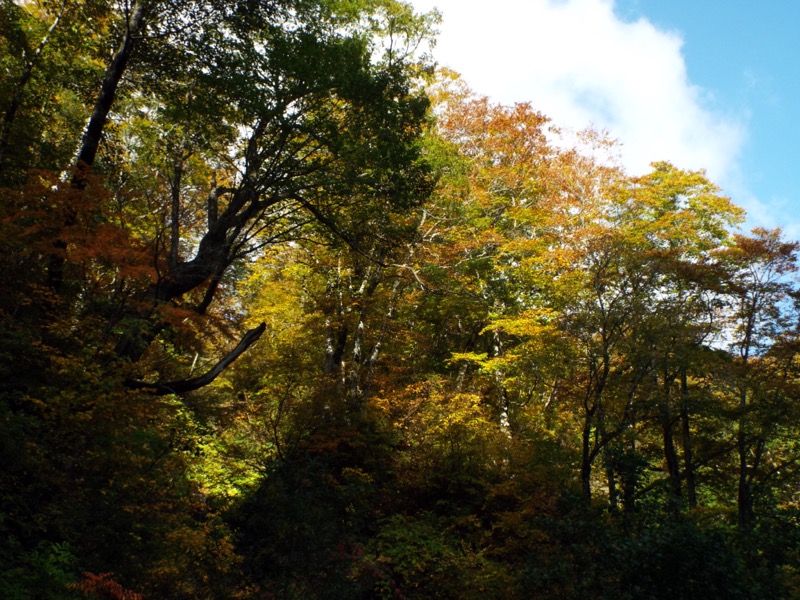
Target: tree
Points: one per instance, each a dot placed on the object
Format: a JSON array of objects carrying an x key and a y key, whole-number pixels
[
  {"x": 215, "y": 133},
  {"x": 312, "y": 122},
  {"x": 760, "y": 294},
  {"x": 683, "y": 221},
  {"x": 50, "y": 49}
]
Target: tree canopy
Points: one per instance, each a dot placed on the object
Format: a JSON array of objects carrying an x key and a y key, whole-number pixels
[{"x": 288, "y": 313}]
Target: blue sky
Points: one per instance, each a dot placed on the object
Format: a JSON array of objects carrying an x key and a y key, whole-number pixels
[
  {"x": 711, "y": 84},
  {"x": 745, "y": 54}
]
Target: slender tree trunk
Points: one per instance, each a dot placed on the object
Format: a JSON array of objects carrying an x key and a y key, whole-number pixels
[
  {"x": 212, "y": 202},
  {"x": 586, "y": 469},
  {"x": 175, "y": 213},
  {"x": 587, "y": 459},
  {"x": 744, "y": 496},
  {"x": 630, "y": 475},
  {"x": 91, "y": 137},
  {"x": 356, "y": 362},
  {"x": 745, "y": 492},
  {"x": 16, "y": 100},
  {"x": 110, "y": 85},
  {"x": 688, "y": 457},
  {"x": 593, "y": 409},
  {"x": 611, "y": 479},
  {"x": 376, "y": 347},
  {"x": 468, "y": 347},
  {"x": 671, "y": 457}
]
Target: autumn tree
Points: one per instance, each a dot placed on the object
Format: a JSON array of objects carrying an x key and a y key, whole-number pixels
[{"x": 212, "y": 133}]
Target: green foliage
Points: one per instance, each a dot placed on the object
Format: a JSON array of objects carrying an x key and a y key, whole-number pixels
[
  {"x": 42, "y": 572},
  {"x": 425, "y": 556},
  {"x": 682, "y": 560}
]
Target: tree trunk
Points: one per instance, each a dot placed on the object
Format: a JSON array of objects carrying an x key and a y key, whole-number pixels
[
  {"x": 745, "y": 492},
  {"x": 16, "y": 100},
  {"x": 586, "y": 463},
  {"x": 688, "y": 457},
  {"x": 744, "y": 497},
  {"x": 671, "y": 458},
  {"x": 611, "y": 479},
  {"x": 108, "y": 89},
  {"x": 91, "y": 137},
  {"x": 175, "y": 213}
]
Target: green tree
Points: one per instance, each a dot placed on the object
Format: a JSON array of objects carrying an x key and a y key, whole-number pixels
[{"x": 761, "y": 297}]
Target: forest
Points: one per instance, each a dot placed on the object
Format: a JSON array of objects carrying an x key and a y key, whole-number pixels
[{"x": 289, "y": 312}]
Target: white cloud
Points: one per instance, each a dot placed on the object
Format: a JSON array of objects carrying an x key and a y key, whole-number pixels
[{"x": 578, "y": 63}]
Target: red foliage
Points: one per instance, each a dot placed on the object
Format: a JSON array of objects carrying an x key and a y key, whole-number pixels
[{"x": 104, "y": 586}]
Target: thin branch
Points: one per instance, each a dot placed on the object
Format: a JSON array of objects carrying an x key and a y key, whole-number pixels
[{"x": 319, "y": 216}]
